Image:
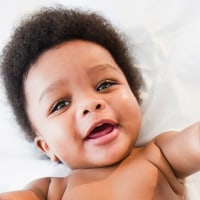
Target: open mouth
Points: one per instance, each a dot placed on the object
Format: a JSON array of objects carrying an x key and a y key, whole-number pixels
[{"x": 101, "y": 131}]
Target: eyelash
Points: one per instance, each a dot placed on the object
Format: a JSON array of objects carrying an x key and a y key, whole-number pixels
[
  {"x": 59, "y": 105},
  {"x": 105, "y": 84}
]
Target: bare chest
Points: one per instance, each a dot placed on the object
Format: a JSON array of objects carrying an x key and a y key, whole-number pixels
[
  {"x": 137, "y": 177},
  {"x": 146, "y": 184}
]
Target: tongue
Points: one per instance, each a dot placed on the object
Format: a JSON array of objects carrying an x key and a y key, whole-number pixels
[{"x": 100, "y": 131}]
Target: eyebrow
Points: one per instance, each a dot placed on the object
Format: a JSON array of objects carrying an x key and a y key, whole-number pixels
[
  {"x": 50, "y": 88},
  {"x": 101, "y": 67},
  {"x": 90, "y": 71}
]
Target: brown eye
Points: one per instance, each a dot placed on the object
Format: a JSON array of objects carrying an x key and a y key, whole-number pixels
[
  {"x": 59, "y": 105},
  {"x": 104, "y": 85}
]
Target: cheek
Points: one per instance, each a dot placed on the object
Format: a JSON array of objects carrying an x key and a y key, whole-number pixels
[
  {"x": 128, "y": 101},
  {"x": 130, "y": 109},
  {"x": 60, "y": 131}
]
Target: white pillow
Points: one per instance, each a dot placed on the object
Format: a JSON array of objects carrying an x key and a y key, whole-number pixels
[{"x": 166, "y": 44}]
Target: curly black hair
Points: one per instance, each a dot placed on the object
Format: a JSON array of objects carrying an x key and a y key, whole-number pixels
[{"x": 44, "y": 30}]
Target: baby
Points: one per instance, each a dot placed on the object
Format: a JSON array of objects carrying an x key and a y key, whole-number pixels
[{"x": 75, "y": 91}]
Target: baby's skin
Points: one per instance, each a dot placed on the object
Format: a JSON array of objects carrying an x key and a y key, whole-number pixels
[
  {"x": 85, "y": 115},
  {"x": 144, "y": 174}
]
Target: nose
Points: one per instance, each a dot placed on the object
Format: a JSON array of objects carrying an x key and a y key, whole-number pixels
[
  {"x": 90, "y": 105},
  {"x": 96, "y": 106}
]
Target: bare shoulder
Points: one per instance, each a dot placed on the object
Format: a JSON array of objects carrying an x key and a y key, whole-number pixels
[
  {"x": 35, "y": 190},
  {"x": 39, "y": 187},
  {"x": 174, "y": 145},
  {"x": 57, "y": 187},
  {"x": 48, "y": 188}
]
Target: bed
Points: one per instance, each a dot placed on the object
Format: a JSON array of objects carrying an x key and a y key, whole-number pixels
[{"x": 166, "y": 45}]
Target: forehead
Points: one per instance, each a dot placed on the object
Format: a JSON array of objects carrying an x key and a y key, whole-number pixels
[
  {"x": 72, "y": 55},
  {"x": 74, "y": 52},
  {"x": 72, "y": 58}
]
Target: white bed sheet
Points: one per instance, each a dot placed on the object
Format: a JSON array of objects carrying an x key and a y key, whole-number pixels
[{"x": 165, "y": 35}]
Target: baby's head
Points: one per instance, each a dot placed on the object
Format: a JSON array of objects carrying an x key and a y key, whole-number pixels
[{"x": 73, "y": 87}]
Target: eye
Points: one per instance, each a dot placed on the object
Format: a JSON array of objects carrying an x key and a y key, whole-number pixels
[
  {"x": 59, "y": 105},
  {"x": 105, "y": 84}
]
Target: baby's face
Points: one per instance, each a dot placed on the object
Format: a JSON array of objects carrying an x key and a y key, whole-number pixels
[{"x": 81, "y": 106}]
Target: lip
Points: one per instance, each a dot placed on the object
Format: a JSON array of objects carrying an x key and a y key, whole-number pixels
[{"x": 106, "y": 134}]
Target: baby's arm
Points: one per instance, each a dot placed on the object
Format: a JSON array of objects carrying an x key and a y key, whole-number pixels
[
  {"x": 182, "y": 150},
  {"x": 19, "y": 195},
  {"x": 36, "y": 190}
]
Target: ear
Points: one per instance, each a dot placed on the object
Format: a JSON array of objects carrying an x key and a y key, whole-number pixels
[{"x": 44, "y": 148}]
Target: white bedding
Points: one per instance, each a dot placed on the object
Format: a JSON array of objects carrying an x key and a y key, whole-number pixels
[{"x": 166, "y": 39}]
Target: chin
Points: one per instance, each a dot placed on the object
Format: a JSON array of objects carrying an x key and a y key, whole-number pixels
[
  {"x": 101, "y": 163},
  {"x": 112, "y": 159}
]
